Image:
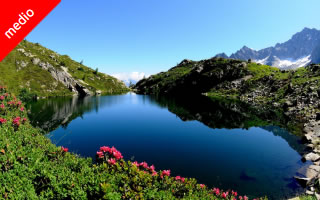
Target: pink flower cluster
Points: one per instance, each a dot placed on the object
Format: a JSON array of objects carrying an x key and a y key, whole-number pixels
[
  {"x": 111, "y": 154},
  {"x": 144, "y": 166},
  {"x": 14, "y": 103},
  {"x": 2, "y": 121},
  {"x": 179, "y": 178},
  {"x": 64, "y": 149},
  {"x": 17, "y": 121},
  {"x": 220, "y": 193},
  {"x": 165, "y": 173}
]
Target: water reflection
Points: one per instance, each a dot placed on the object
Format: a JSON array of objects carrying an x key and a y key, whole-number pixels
[{"x": 221, "y": 143}]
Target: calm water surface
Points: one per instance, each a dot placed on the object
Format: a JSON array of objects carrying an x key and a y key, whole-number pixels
[{"x": 208, "y": 140}]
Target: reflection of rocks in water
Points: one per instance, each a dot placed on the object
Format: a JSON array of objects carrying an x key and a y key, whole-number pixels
[
  {"x": 294, "y": 141},
  {"x": 49, "y": 114},
  {"x": 218, "y": 113},
  {"x": 229, "y": 114}
]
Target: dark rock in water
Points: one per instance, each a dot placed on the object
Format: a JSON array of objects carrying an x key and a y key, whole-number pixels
[{"x": 303, "y": 181}]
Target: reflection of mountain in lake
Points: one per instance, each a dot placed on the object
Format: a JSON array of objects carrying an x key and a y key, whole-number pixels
[
  {"x": 49, "y": 114},
  {"x": 230, "y": 115},
  {"x": 219, "y": 113}
]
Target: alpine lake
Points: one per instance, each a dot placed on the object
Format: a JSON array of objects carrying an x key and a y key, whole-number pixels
[{"x": 221, "y": 143}]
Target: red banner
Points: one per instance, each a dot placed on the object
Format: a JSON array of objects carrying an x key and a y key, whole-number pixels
[{"x": 18, "y": 18}]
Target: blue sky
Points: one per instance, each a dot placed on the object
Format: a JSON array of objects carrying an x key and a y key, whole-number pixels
[{"x": 149, "y": 36}]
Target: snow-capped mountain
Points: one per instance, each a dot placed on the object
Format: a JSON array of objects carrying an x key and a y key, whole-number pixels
[{"x": 302, "y": 49}]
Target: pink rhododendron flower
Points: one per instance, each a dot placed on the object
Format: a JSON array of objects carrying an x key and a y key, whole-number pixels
[
  {"x": 152, "y": 168},
  {"x": 178, "y": 178},
  {"x": 154, "y": 173},
  {"x": 117, "y": 155},
  {"x": 2, "y": 121},
  {"x": 245, "y": 198},
  {"x": 216, "y": 191},
  {"x": 135, "y": 163},
  {"x": 100, "y": 154},
  {"x": 165, "y": 173},
  {"x": 22, "y": 109},
  {"x": 234, "y": 193},
  {"x": 105, "y": 149},
  {"x": 113, "y": 149},
  {"x": 224, "y": 195},
  {"x": 65, "y": 149},
  {"x": 144, "y": 165},
  {"x": 2, "y": 106},
  {"x": 16, "y": 121},
  {"x": 112, "y": 161},
  {"x": 1, "y": 98},
  {"x": 202, "y": 185}
]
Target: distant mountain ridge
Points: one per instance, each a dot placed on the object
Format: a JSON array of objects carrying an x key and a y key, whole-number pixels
[{"x": 302, "y": 49}]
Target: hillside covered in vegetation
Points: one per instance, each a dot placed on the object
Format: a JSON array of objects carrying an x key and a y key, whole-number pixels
[{"x": 32, "y": 68}]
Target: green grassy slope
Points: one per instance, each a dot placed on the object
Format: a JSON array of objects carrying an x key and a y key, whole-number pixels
[{"x": 18, "y": 71}]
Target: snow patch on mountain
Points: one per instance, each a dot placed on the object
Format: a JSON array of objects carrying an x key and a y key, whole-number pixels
[
  {"x": 262, "y": 61},
  {"x": 291, "y": 64}
]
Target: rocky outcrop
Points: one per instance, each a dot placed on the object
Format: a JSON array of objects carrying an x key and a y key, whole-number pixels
[
  {"x": 191, "y": 77},
  {"x": 64, "y": 77}
]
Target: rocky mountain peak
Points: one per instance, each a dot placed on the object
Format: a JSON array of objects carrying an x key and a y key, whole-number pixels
[{"x": 291, "y": 54}]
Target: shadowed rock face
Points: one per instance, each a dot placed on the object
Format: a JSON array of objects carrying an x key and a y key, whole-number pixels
[{"x": 64, "y": 77}]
